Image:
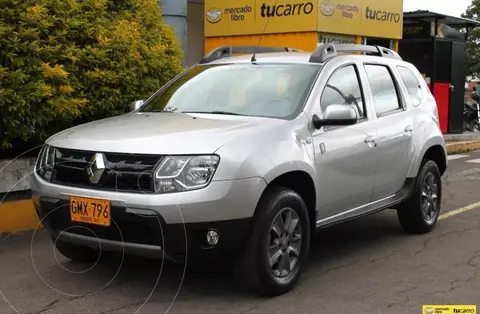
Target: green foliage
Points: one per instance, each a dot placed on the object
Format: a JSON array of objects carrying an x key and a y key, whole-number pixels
[
  {"x": 473, "y": 42},
  {"x": 69, "y": 61}
]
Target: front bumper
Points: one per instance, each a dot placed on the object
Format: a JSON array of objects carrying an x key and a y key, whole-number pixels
[{"x": 170, "y": 226}]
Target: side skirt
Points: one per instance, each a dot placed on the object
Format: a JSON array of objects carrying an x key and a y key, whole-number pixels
[{"x": 371, "y": 208}]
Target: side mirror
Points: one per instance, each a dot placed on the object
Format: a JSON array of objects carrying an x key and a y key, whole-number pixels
[
  {"x": 336, "y": 115},
  {"x": 134, "y": 106}
]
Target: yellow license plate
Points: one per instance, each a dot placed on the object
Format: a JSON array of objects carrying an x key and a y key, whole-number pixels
[{"x": 90, "y": 210}]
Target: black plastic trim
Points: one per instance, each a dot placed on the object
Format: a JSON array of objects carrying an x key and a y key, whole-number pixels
[{"x": 402, "y": 195}]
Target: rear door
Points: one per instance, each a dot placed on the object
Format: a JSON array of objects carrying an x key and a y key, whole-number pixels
[{"x": 395, "y": 126}]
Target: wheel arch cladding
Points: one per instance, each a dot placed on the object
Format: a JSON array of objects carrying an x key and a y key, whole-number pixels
[
  {"x": 436, "y": 154},
  {"x": 302, "y": 183}
]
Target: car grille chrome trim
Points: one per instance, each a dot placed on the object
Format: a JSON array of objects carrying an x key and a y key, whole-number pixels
[{"x": 123, "y": 172}]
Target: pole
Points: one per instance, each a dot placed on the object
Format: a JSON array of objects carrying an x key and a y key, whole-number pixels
[{"x": 175, "y": 15}]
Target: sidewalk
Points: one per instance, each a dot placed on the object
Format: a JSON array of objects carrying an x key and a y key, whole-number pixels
[
  {"x": 461, "y": 143},
  {"x": 465, "y": 137}
]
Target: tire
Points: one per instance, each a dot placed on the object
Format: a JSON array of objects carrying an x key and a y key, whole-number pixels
[
  {"x": 474, "y": 126},
  {"x": 77, "y": 253},
  {"x": 252, "y": 268},
  {"x": 420, "y": 212}
]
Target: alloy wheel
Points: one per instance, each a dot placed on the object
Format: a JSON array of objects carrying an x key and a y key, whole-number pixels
[
  {"x": 429, "y": 197},
  {"x": 284, "y": 242}
]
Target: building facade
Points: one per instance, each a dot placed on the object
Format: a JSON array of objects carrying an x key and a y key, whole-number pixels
[{"x": 203, "y": 25}]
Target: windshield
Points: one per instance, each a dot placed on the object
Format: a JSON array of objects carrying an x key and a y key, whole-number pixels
[{"x": 265, "y": 90}]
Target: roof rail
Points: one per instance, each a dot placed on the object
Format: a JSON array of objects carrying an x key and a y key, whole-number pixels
[
  {"x": 327, "y": 51},
  {"x": 228, "y": 51}
]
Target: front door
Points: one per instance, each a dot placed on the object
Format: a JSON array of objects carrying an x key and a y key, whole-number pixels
[{"x": 345, "y": 156}]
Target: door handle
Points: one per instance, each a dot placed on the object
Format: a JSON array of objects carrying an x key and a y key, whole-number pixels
[
  {"x": 371, "y": 141},
  {"x": 408, "y": 128}
]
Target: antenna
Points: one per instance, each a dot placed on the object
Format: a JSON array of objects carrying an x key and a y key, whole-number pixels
[{"x": 261, "y": 36}]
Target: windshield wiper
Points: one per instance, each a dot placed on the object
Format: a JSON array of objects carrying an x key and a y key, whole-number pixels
[{"x": 216, "y": 112}]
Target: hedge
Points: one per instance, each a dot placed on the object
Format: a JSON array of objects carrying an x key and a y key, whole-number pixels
[{"x": 64, "y": 62}]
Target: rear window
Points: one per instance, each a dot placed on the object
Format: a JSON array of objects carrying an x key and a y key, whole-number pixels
[
  {"x": 266, "y": 90},
  {"x": 413, "y": 85},
  {"x": 383, "y": 87}
]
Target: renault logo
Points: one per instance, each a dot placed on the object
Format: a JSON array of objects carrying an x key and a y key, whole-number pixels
[{"x": 96, "y": 168}]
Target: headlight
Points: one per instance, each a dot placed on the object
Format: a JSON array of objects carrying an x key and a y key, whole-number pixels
[
  {"x": 184, "y": 173},
  {"x": 45, "y": 162}
]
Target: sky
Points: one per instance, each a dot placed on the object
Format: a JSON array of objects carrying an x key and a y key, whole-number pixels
[{"x": 450, "y": 7}]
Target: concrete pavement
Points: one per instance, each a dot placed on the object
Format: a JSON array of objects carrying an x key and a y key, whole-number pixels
[{"x": 364, "y": 266}]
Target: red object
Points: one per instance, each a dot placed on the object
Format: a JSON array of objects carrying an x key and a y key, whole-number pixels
[{"x": 442, "y": 97}]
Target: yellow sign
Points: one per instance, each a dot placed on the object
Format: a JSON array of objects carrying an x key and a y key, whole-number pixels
[
  {"x": 249, "y": 17},
  {"x": 374, "y": 18},
  {"x": 449, "y": 309},
  {"x": 324, "y": 38}
]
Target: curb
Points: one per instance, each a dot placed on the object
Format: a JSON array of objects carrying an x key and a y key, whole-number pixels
[
  {"x": 18, "y": 216},
  {"x": 462, "y": 147}
]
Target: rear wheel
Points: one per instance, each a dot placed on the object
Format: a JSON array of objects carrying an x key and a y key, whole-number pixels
[
  {"x": 420, "y": 212},
  {"x": 276, "y": 251}
]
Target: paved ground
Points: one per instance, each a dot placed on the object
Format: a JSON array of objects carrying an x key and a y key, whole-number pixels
[{"x": 365, "y": 266}]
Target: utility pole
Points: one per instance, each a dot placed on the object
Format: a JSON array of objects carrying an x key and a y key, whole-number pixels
[{"x": 175, "y": 15}]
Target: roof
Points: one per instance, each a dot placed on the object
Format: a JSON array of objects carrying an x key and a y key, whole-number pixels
[
  {"x": 323, "y": 52},
  {"x": 277, "y": 57},
  {"x": 428, "y": 16},
  {"x": 292, "y": 57}
]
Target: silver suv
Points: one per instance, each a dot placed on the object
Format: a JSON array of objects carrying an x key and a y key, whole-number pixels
[{"x": 245, "y": 157}]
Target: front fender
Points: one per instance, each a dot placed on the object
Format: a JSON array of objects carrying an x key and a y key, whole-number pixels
[{"x": 268, "y": 155}]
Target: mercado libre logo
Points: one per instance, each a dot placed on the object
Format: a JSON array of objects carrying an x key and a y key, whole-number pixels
[
  {"x": 214, "y": 15},
  {"x": 346, "y": 10},
  {"x": 327, "y": 8}
]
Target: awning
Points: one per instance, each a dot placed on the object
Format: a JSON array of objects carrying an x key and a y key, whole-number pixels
[{"x": 427, "y": 16}]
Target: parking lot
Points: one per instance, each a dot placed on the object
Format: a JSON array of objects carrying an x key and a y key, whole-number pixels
[{"x": 365, "y": 266}]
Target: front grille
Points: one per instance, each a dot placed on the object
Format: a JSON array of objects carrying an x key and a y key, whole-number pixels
[
  {"x": 123, "y": 172},
  {"x": 126, "y": 227}
]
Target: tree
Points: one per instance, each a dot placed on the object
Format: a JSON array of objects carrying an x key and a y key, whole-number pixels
[
  {"x": 473, "y": 41},
  {"x": 71, "y": 61}
]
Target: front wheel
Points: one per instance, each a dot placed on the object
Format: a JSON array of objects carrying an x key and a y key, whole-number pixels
[
  {"x": 420, "y": 212},
  {"x": 278, "y": 245}
]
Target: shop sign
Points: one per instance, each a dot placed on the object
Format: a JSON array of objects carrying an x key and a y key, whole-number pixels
[
  {"x": 372, "y": 18},
  {"x": 324, "y": 38},
  {"x": 417, "y": 30},
  {"x": 427, "y": 30},
  {"x": 242, "y": 17}
]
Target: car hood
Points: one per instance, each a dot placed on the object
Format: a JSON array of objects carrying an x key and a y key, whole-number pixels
[{"x": 160, "y": 133}]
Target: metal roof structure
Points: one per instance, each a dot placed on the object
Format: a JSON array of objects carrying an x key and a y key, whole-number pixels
[{"x": 428, "y": 16}]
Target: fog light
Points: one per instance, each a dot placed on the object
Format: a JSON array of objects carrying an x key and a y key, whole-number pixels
[{"x": 212, "y": 237}]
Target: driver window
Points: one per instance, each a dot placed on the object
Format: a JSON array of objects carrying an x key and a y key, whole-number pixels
[{"x": 343, "y": 88}]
